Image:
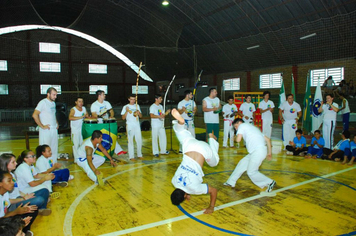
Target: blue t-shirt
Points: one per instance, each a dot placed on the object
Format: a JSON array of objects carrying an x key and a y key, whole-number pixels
[
  {"x": 352, "y": 145},
  {"x": 342, "y": 145},
  {"x": 320, "y": 142},
  {"x": 298, "y": 142}
]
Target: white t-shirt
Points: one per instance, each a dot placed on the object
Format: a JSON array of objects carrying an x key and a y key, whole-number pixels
[
  {"x": 43, "y": 164},
  {"x": 82, "y": 155},
  {"x": 263, "y": 106},
  {"x": 188, "y": 107},
  {"x": 290, "y": 112},
  {"x": 47, "y": 111},
  {"x": 76, "y": 125},
  {"x": 189, "y": 177},
  {"x": 24, "y": 174},
  {"x": 228, "y": 110},
  {"x": 247, "y": 110},
  {"x": 347, "y": 107},
  {"x": 100, "y": 108},
  {"x": 130, "y": 118},
  {"x": 252, "y": 135},
  {"x": 16, "y": 192},
  {"x": 4, "y": 204},
  {"x": 210, "y": 117},
  {"x": 329, "y": 113},
  {"x": 157, "y": 110}
]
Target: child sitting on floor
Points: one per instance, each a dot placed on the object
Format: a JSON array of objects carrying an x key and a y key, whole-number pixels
[
  {"x": 352, "y": 153},
  {"x": 341, "y": 149},
  {"x": 315, "y": 150},
  {"x": 298, "y": 146}
]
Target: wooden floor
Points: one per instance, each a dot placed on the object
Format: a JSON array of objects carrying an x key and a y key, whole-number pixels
[{"x": 313, "y": 197}]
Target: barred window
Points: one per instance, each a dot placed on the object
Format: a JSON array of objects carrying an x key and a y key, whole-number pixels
[
  {"x": 4, "y": 89},
  {"x": 3, "y": 65},
  {"x": 98, "y": 69},
  {"x": 50, "y": 67},
  {"x": 271, "y": 81},
  {"x": 94, "y": 88},
  {"x": 322, "y": 74},
  {"x": 50, "y": 47},
  {"x": 231, "y": 84},
  {"x": 44, "y": 87}
]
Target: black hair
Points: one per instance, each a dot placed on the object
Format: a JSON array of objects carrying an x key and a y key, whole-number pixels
[
  {"x": 346, "y": 133},
  {"x": 177, "y": 196},
  {"x": 211, "y": 89},
  {"x": 330, "y": 94},
  {"x": 317, "y": 131},
  {"x": 237, "y": 120},
  {"x": 132, "y": 96},
  {"x": 10, "y": 226},
  {"x": 157, "y": 96},
  {"x": 230, "y": 97},
  {"x": 266, "y": 92},
  {"x": 79, "y": 98},
  {"x": 22, "y": 157},
  {"x": 99, "y": 92},
  {"x": 186, "y": 92},
  {"x": 40, "y": 149},
  {"x": 247, "y": 95},
  {"x": 330, "y": 77},
  {"x": 50, "y": 89},
  {"x": 289, "y": 94},
  {"x": 299, "y": 131},
  {"x": 96, "y": 134},
  {"x": 5, "y": 159},
  {"x": 2, "y": 175}
]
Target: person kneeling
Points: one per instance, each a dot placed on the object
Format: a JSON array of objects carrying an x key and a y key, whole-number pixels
[{"x": 298, "y": 146}]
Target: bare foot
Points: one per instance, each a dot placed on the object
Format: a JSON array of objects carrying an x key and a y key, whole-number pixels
[
  {"x": 337, "y": 159},
  {"x": 178, "y": 117},
  {"x": 315, "y": 157},
  {"x": 350, "y": 163}
]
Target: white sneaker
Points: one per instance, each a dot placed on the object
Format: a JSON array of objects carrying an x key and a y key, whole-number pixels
[
  {"x": 289, "y": 153},
  {"x": 229, "y": 185},
  {"x": 70, "y": 177}
]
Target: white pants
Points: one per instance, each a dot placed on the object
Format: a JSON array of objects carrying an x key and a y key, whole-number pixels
[
  {"x": 50, "y": 137},
  {"x": 189, "y": 143},
  {"x": 77, "y": 140},
  {"x": 251, "y": 163},
  {"x": 189, "y": 125},
  {"x": 134, "y": 131},
  {"x": 118, "y": 148},
  {"x": 159, "y": 133},
  {"x": 289, "y": 128},
  {"x": 97, "y": 161},
  {"x": 228, "y": 131},
  {"x": 267, "y": 128},
  {"x": 328, "y": 133}
]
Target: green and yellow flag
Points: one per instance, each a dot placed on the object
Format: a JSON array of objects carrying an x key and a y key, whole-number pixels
[{"x": 307, "y": 110}]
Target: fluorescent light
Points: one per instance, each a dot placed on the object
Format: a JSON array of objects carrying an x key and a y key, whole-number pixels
[
  {"x": 165, "y": 3},
  {"x": 256, "y": 46},
  {"x": 308, "y": 36}
]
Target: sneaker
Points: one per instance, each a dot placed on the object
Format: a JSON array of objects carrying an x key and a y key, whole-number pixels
[
  {"x": 180, "y": 152},
  {"x": 44, "y": 212},
  {"x": 62, "y": 184},
  {"x": 289, "y": 153},
  {"x": 121, "y": 153},
  {"x": 156, "y": 155},
  {"x": 229, "y": 185},
  {"x": 70, "y": 177},
  {"x": 55, "y": 195},
  {"x": 100, "y": 179},
  {"x": 29, "y": 233},
  {"x": 270, "y": 186},
  {"x": 165, "y": 153},
  {"x": 302, "y": 154}
]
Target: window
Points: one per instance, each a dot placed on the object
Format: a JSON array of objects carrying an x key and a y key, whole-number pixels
[
  {"x": 3, "y": 65},
  {"x": 4, "y": 89},
  {"x": 322, "y": 74},
  {"x": 44, "y": 88},
  {"x": 98, "y": 69},
  {"x": 50, "y": 67},
  {"x": 231, "y": 84},
  {"x": 271, "y": 81},
  {"x": 50, "y": 47},
  {"x": 142, "y": 89},
  {"x": 94, "y": 88}
]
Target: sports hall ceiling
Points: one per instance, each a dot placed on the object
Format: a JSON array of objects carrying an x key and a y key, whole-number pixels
[{"x": 212, "y": 35}]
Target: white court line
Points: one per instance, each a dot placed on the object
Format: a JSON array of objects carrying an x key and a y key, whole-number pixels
[
  {"x": 67, "y": 225},
  {"x": 171, "y": 220}
]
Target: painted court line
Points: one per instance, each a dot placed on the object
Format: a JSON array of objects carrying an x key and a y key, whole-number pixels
[{"x": 171, "y": 220}]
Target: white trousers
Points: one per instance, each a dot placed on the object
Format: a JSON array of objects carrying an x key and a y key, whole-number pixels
[
  {"x": 189, "y": 143},
  {"x": 50, "y": 137},
  {"x": 267, "y": 128},
  {"x": 77, "y": 140},
  {"x": 189, "y": 125},
  {"x": 159, "y": 133},
  {"x": 134, "y": 131},
  {"x": 328, "y": 133},
  {"x": 97, "y": 161},
  {"x": 228, "y": 131},
  {"x": 289, "y": 128},
  {"x": 251, "y": 163},
  {"x": 118, "y": 148}
]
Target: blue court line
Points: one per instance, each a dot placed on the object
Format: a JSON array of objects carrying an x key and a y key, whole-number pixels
[{"x": 237, "y": 233}]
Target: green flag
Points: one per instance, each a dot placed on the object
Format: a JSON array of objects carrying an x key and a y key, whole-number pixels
[
  {"x": 307, "y": 111},
  {"x": 282, "y": 98},
  {"x": 293, "y": 89}
]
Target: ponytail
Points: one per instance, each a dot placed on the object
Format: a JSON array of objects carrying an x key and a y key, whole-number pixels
[
  {"x": 22, "y": 157},
  {"x": 40, "y": 149}
]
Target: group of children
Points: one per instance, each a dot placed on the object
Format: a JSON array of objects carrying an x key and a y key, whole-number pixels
[
  {"x": 26, "y": 186},
  {"x": 344, "y": 150}
]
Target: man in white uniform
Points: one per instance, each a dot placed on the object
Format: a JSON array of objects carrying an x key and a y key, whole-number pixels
[
  {"x": 103, "y": 109},
  {"x": 257, "y": 152},
  {"x": 229, "y": 111},
  {"x": 76, "y": 116},
  {"x": 289, "y": 113},
  {"x": 266, "y": 107},
  {"x": 131, "y": 113},
  {"x": 89, "y": 161},
  {"x": 45, "y": 117},
  {"x": 330, "y": 110},
  {"x": 211, "y": 107},
  {"x": 188, "y": 178},
  {"x": 247, "y": 110},
  {"x": 157, "y": 115}
]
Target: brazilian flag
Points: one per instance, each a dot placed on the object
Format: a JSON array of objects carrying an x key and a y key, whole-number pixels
[{"x": 307, "y": 111}]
